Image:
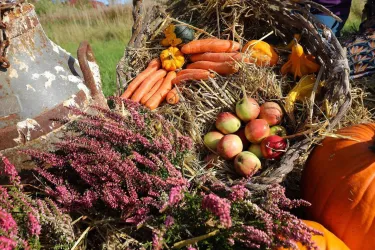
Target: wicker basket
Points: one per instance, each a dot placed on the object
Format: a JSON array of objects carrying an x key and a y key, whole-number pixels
[{"x": 252, "y": 18}]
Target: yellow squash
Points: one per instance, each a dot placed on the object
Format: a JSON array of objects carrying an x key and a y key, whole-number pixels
[{"x": 172, "y": 59}]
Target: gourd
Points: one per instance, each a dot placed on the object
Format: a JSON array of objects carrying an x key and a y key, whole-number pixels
[
  {"x": 172, "y": 59},
  {"x": 339, "y": 181},
  {"x": 327, "y": 241},
  {"x": 176, "y": 35},
  {"x": 262, "y": 53}
]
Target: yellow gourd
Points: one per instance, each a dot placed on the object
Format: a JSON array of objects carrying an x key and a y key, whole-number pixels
[
  {"x": 172, "y": 59},
  {"x": 299, "y": 63},
  {"x": 261, "y": 52}
]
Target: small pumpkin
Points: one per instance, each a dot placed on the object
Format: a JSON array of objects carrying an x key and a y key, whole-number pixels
[
  {"x": 172, "y": 59},
  {"x": 299, "y": 64},
  {"x": 339, "y": 181},
  {"x": 327, "y": 241},
  {"x": 176, "y": 35},
  {"x": 262, "y": 53}
]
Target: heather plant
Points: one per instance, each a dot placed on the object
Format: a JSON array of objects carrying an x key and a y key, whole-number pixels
[
  {"x": 22, "y": 222},
  {"x": 126, "y": 160}
]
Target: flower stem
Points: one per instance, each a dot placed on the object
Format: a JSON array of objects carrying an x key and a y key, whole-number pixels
[{"x": 194, "y": 240}]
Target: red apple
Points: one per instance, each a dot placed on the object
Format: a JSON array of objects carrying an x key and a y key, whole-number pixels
[
  {"x": 210, "y": 160},
  {"x": 211, "y": 139},
  {"x": 229, "y": 146},
  {"x": 227, "y": 123},
  {"x": 273, "y": 147},
  {"x": 255, "y": 149},
  {"x": 241, "y": 134},
  {"x": 246, "y": 164},
  {"x": 256, "y": 130},
  {"x": 247, "y": 109},
  {"x": 278, "y": 130},
  {"x": 271, "y": 112}
]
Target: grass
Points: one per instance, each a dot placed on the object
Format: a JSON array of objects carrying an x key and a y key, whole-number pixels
[{"x": 107, "y": 30}]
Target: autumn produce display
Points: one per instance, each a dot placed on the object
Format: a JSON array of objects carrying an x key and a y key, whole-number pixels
[{"x": 245, "y": 137}]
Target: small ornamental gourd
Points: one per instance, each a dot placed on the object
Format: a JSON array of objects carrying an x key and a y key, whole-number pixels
[
  {"x": 172, "y": 59},
  {"x": 299, "y": 64},
  {"x": 262, "y": 53},
  {"x": 176, "y": 35},
  {"x": 339, "y": 181}
]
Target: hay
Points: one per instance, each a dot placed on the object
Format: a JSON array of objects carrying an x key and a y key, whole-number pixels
[{"x": 242, "y": 21}]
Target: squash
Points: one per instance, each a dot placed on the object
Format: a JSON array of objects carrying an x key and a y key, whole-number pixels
[
  {"x": 327, "y": 241},
  {"x": 299, "y": 63},
  {"x": 172, "y": 59},
  {"x": 176, "y": 35},
  {"x": 261, "y": 53},
  {"x": 339, "y": 181}
]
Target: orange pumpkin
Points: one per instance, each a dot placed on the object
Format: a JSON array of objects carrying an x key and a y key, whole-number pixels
[
  {"x": 261, "y": 52},
  {"x": 339, "y": 181},
  {"x": 327, "y": 241}
]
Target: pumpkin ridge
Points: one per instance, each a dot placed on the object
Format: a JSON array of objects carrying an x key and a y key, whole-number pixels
[{"x": 369, "y": 228}]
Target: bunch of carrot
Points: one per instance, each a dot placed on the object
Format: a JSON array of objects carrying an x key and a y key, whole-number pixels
[{"x": 152, "y": 86}]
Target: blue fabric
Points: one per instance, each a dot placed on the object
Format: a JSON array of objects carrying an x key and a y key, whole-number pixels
[{"x": 331, "y": 23}]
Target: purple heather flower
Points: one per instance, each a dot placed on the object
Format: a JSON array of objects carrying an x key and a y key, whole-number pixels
[
  {"x": 191, "y": 248},
  {"x": 175, "y": 195},
  {"x": 219, "y": 207},
  {"x": 157, "y": 240},
  {"x": 238, "y": 193},
  {"x": 10, "y": 171},
  {"x": 7, "y": 223},
  {"x": 34, "y": 226},
  {"x": 169, "y": 221},
  {"x": 7, "y": 244}
]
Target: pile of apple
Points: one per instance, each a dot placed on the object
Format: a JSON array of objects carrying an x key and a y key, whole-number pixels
[{"x": 248, "y": 136}]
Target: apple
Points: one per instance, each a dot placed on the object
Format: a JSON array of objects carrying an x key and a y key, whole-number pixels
[
  {"x": 229, "y": 146},
  {"x": 227, "y": 123},
  {"x": 247, "y": 109},
  {"x": 278, "y": 130},
  {"x": 246, "y": 164},
  {"x": 273, "y": 147},
  {"x": 241, "y": 134},
  {"x": 271, "y": 112},
  {"x": 255, "y": 149},
  {"x": 210, "y": 160},
  {"x": 256, "y": 130},
  {"x": 211, "y": 139}
]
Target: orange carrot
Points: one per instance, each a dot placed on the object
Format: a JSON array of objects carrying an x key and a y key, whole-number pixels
[
  {"x": 172, "y": 96},
  {"x": 193, "y": 76},
  {"x": 162, "y": 92},
  {"x": 216, "y": 57},
  {"x": 188, "y": 71},
  {"x": 152, "y": 91},
  {"x": 222, "y": 68},
  {"x": 147, "y": 84},
  {"x": 152, "y": 67},
  {"x": 210, "y": 45}
]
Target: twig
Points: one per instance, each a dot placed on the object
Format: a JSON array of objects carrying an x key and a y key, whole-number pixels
[
  {"x": 218, "y": 20},
  {"x": 194, "y": 240},
  {"x": 80, "y": 238},
  {"x": 312, "y": 97}
]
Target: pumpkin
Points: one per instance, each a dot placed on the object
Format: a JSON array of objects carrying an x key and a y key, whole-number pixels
[
  {"x": 327, "y": 241},
  {"x": 261, "y": 52},
  {"x": 299, "y": 63},
  {"x": 176, "y": 35},
  {"x": 172, "y": 59},
  {"x": 339, "y": 181}
]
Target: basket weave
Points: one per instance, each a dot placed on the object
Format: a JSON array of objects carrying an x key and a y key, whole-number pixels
[{"x": 285, "y": 18}]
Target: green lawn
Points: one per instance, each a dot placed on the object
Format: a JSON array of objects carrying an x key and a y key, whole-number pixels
[{"x": 107, "y": 54}]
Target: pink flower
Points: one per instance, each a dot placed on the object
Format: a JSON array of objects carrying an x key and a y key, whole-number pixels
[
  {"x": 238, "y": 193},
  {"x": 34, "y": 226},
  {"x": 175, "y": 195},
  {"x": 10, "y": 171},
  {"x": 7, "y": 223},
  {"x": 219, "y": 207},
  {"x": 191, "y": 248},
  {"x": 169, "y": 221},
  {"x": 157, "y": 240},
  {"x": 7, "y": 244}
]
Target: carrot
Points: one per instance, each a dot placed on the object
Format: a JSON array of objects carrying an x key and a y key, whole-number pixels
[
  {"x": 187, "y": 71},
  {"x": 162, "y": 92},
  {"x": 147, "y": 84},
  {"x": 216, "y": 57},
  {"x": 193, "y": 76},
  {"x": 222, "y": 68},
  {"x": 172, "y": 96},
  {"x": 210, "y": 45},
  {"x": 152, "y": 91},
  {"x": 152, "y": 67}
]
